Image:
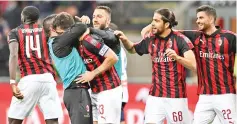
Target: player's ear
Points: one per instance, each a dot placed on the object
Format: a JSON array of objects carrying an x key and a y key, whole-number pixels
[
  {"x": 167, "y": 24},
  {"x": 212, "y": 20}
]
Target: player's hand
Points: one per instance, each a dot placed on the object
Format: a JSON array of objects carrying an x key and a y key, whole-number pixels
[
  {"x": 85, "y": 19},
  {"x": 120, "y": 35},
  {"x": 16, "y": 92},
  {"x": 171, "y": 54},
  {"x": 86, "y": 77}
]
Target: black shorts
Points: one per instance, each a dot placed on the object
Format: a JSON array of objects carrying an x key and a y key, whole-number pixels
[{"x": 78, "y": 103}]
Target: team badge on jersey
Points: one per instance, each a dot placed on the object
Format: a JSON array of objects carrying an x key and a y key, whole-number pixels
[{"x": 169, "y": 44}]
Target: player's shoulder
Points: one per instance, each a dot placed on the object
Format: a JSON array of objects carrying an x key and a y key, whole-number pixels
[
  {"x": 180, "y": 36},
  {"x": 109, "y": 30},
  {"x": 227, "y": 33},
  {"x": 92, "y": 40},
  {"x": 15, "y": 30}
]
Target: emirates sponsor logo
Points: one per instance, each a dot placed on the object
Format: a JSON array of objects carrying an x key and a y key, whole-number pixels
[
  {"x": 211, "y": 55},
  {"x": 161, "y": 57}
]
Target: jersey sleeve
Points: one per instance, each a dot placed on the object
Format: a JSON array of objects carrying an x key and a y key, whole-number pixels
[
  {"x": 184, "y": 44},
  {"x": 63, "y": 44},
  {"x": 233, "y": 43},
  {"x": 109, "y": 38},
  {"x": 12, "y": 36},
  {"x": 71, "y": 35},
  {"x": 142, "y": 46},
  {"x": 94, "y": 46},
  {"x": 191, "y": 34}
]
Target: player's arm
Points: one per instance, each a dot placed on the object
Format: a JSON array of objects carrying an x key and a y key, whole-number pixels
[
  {"x": 13, "y": 58},
  {"x": 62, "y": 44},
  {"x": 188, "y": 58},
  {"x": 235, "y": 67},
  {"x": 107, "y": 35},
  {"x": 110, "y": 59},
  {"x": 99, "y": 49},
  {"x": 233, "y": 49},
  {"x": 146, "y": 31},
  {"x": 190, "y": 34},
  {"x": 139, "y": 48},
  {"x": 72, "y": 34},
  {"x": 129, "y": 45}
]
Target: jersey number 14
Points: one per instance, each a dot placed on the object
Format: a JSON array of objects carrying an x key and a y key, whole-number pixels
[{"x": 30, "y": 45}]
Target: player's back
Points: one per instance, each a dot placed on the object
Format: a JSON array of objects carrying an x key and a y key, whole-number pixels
[{"x": 33, "y": 54}]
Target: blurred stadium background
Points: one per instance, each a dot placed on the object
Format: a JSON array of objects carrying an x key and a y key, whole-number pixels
[{"x": 130, "y": 17}]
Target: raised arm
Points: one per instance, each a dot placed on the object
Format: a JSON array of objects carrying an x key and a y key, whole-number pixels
[
  {"x": 107, "y": 35},
  {"x": 129, "y": 45},
  {"x": 146, "y": 31},
  {"x": 139, "y": 47},
  {"x": 62, "y": 44},
  {"x": 99, "y": 49},
  {"x": 186, "y": 57}
]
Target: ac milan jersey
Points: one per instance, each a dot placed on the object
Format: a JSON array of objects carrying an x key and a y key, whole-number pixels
[
  {"x": 215, "y": 55},
  {"x": 92, "y": 51},
  {"x": 168, "y": 76},
  {"x": 33, "y": 54}
]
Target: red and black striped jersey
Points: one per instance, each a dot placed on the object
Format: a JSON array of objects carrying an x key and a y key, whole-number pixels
[
  {"x": 168, "y": 76},
  {"x": 215, "y": 55},
  {"x": 33, "y": 54},
  {"x": 92, "y": 51}
]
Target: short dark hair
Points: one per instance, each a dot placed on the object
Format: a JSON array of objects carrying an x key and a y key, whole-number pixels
[
  {"x": 106, "y": 8},
  {"x": 63, "y": 20},
  {"x": 30, "y": 14},
  {"x": 167, "y": 16},
  {"x": 209, "y": 10},
  {"x": 47, "y": 22}
]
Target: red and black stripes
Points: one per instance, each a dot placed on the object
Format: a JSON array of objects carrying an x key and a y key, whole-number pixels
[{"x": 33, "y": 50}]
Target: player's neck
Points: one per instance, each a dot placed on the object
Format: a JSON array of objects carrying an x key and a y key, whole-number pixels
[
  {"x": 210, "y": 30},
  {"x": 165, "y": 33}
]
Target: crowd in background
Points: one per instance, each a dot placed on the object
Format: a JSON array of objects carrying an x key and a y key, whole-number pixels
[{"x": 125, "y": 14}]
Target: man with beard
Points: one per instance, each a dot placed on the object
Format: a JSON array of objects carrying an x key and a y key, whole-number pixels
[
  {"x": 170, "y": 52},
  {"x": 104, "y": 111},
  {"x": 215, "y": 51}
]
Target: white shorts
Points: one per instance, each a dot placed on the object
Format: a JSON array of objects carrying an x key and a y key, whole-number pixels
[
  {"x": 106, "y": 106},
  {"x": 37, "y": 89},
  {"x": 209, "y": 106},
  {"x": 174, "y": 110}
]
